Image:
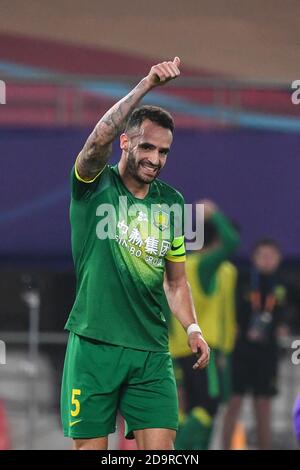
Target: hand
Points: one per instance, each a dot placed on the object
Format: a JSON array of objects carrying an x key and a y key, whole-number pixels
[
  {"x": 163, "y": 73},
  {"x": 209, "y": 208},
  {"x": 200, "y": 347}
]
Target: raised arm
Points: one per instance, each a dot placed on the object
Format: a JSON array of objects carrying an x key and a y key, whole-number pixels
[
  {"x": 96, "y": 151},
  {"x": 227, "y": 244}
]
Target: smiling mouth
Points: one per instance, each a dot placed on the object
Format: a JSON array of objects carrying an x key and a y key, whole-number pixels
[{"x": 150, "y": 168}]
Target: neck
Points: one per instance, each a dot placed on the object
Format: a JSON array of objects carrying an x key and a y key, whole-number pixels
[{"x": 137, "y": 188}]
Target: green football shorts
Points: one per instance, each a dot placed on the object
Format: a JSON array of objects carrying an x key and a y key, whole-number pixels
[{"x": 100, "y": 379}]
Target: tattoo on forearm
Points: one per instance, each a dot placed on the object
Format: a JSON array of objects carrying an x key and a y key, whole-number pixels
[
  {"x": 98, "y": 146},
  {"x": 115, "y": 118}
]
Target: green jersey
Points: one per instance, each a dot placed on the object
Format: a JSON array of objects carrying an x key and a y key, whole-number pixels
[{"x": 119, "y": 245}]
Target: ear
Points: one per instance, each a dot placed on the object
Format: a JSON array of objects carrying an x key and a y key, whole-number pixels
[{"x": 124, "y": 142}]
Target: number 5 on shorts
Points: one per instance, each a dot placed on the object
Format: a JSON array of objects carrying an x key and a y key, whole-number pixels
[{"x": 75, "y": 402}]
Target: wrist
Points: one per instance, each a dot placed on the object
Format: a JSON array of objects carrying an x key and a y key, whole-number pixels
[
  {"x": 146, "y": 84},
  {"x": 193, "y": 328}
]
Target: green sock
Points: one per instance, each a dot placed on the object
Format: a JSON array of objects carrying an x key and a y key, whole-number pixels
[{"x": 196, "y": 432}]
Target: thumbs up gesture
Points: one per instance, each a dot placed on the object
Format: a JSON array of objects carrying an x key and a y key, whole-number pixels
[{"x": 163, "y": 72}]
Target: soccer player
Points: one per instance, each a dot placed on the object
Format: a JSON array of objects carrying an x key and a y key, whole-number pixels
[
  {"x": 117, "y": 356},
  {"x": 212, "y": 279}
]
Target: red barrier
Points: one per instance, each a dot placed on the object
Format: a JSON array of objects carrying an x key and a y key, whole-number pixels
[{"x": 4, "y": 433}]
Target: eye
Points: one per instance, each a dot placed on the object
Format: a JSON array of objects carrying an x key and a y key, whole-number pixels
[{"x": 146, "y": 146}]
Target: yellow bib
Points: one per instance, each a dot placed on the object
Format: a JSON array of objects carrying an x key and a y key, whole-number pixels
[{"x": 215, "y": 312}]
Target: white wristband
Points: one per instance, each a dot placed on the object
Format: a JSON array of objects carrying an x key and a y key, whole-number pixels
[{"x": 194, "y": 328}]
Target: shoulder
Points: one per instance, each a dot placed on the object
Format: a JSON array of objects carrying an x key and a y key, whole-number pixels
[
  {"x": 227, "y": 272},
  {"x": 82, "y": 190},
  {"x": 228, "y": 267}
]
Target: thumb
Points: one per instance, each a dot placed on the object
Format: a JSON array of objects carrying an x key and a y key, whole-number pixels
[
  {"x": 193, "y": 346},
  {"x": 176, "y": 61}
]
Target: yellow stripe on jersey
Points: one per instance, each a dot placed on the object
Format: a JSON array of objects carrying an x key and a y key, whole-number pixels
[
  {"x": 86, "y": 181},
  {"x": 180, "y": 259},
  {"x": 176, "y": 253}
]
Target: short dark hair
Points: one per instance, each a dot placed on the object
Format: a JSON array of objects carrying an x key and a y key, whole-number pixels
[
  {"x": 155, "y": 114},
  {"x": 269, "y": 242}
]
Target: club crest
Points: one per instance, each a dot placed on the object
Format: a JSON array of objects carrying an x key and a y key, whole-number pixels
[{"x": 161, "y": 219}]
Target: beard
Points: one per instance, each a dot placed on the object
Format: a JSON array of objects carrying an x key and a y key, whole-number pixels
[{"x": 142, "y": 170}]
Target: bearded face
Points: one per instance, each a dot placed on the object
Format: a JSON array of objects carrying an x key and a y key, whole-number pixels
[{"x": 147, "y": 151}]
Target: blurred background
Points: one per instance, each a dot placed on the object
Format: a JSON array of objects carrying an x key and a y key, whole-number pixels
[{"x": 237, "y": 142}]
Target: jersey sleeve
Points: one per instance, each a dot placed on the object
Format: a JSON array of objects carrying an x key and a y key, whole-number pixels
[
  {"x": 176, "y": 253},
  {"x": 82, "y": 189}
]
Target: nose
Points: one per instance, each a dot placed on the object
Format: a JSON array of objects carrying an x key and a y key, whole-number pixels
[{"x": 154, "y": 158}]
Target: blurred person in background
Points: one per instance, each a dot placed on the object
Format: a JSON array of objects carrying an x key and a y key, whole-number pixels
[
  {"x": 261, "y": 299},
  {"x": 212, "y": 279}
]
